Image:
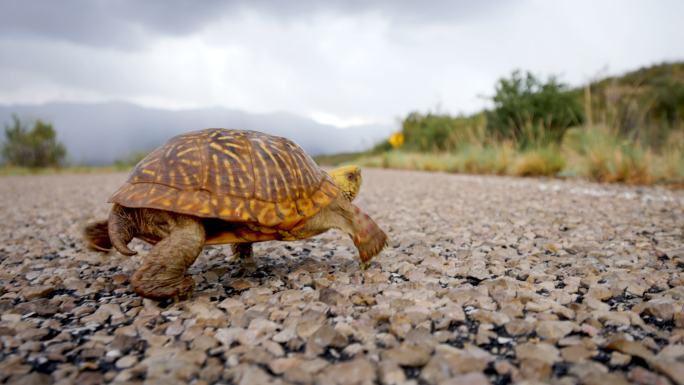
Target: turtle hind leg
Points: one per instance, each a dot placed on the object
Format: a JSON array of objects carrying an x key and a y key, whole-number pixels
[
  {"x": 162, "y": 275},
  {"x": 245, "y": 253},
  {"x": 96, "y": 236}
]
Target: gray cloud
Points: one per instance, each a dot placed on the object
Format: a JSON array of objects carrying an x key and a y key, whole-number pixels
[
  {"x": 339, "y": 62},
  {"x": 129, "y": 24},
  {"x": 398, "y": 11},
  {"x": 122, "y": 24}
]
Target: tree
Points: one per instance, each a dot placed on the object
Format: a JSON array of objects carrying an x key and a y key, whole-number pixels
[
  {"x": 35, "y": 147},
  {"x": 529, "y": 110}
]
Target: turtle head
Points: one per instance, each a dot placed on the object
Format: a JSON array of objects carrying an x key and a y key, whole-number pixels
[{"x": 348, "y": 179}]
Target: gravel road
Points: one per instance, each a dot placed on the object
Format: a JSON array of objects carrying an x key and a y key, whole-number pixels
[{"x": 486, "y": 280}]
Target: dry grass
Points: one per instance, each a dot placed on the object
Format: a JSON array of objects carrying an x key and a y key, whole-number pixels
[
  {"x": 471, "y": 160},
  {"x": 14, "y": 170},
  {"x": 594, "y": 153},
  {"x": 599, "y": 154},
  {"x": 539, "y": 162}
]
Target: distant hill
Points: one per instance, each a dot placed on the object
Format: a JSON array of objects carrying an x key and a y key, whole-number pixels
[
  {"x": 653, "y": 75},
  {"x": 100, "y": 133}
]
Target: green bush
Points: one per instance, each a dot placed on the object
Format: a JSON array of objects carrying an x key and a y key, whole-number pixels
[
  {"x": 35, "y": 147},
  {"x": 526, "y": 111},
  {"x": 441, "y": 132},
  {"x": 531, "y": 112}
]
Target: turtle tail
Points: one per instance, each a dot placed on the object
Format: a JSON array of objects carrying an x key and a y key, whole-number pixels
[
  {"x": 121, "y": 229},
  {"x": 96, "y": 236}
]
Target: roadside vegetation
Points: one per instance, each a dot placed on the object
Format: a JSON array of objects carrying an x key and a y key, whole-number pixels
[
  {"x": 32, "y": 146},
  {"x": 627, "y": 129}
]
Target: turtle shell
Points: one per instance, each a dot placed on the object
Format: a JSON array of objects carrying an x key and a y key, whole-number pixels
[{"x": 234, "y": 175}]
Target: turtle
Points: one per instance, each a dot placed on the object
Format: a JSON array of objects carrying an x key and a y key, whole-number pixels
[{"x": 226, "y": 186}]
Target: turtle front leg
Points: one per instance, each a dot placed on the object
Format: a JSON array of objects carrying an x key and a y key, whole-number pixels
[
  {"x": 368, "y": 237},
  {"x": 341, "y": 214},
  {"x": 162, "y": 275}
]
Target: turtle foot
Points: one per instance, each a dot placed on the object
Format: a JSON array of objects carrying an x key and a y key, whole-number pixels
[
  {"x": 369, "y": 245},
  {"x": 178, "y": 289}
]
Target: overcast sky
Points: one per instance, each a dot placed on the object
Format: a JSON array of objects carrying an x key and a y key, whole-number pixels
[{"x": 339, "y": 62}]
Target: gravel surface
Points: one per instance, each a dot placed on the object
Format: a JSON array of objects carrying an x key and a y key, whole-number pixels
[{"x": 486, "y": 280}]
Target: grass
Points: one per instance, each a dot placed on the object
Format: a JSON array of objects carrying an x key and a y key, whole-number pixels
[
  {"x": 15, "y": 170},
  {"x": 594, "y": 153},
  {"x": 601, "y": 155},
  {"x": 473, "y": 160},
  {"x": 547, "y": 161}
]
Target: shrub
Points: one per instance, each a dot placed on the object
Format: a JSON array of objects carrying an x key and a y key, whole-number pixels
[
  {"x": 530, "y": 111},
  {"x": 35, "y": 147},
  {"x": 440, "y": 132}
]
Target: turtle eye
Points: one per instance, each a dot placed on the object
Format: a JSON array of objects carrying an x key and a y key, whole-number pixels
[{"x": 350, "y": 177}]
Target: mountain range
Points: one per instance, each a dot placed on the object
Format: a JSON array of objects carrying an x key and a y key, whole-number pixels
[{"x": 100, "y": 133}]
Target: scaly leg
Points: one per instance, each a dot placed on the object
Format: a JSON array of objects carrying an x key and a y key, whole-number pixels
[
  {"x": 162, "y": 274},
  {"x": 341, "y": 214}
]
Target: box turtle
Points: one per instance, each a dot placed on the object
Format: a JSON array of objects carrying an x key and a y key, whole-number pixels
[{"x": 221, "y": 186}]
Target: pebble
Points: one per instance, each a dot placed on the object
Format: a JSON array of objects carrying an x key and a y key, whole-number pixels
[
  {"x": 619, "y": 359},
  {"x": 126, "y": 362},
  {"x": 543, "y": 352},
  {"x": 390, "y": 373},
  {"x": 518, "y": 327},
  {"x": 39, "y": 291},
  {"x": 356, "y": 372},
  {"x": 662, "y": 308},
  {"x": 554, "y": 330},
  {"x": 468, "y": 379},
  {"x": 408, "y": 355},
  {"x": 576, "y": 353}
]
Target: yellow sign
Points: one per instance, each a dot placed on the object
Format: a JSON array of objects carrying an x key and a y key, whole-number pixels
[{"x": 396, "y": 139}]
